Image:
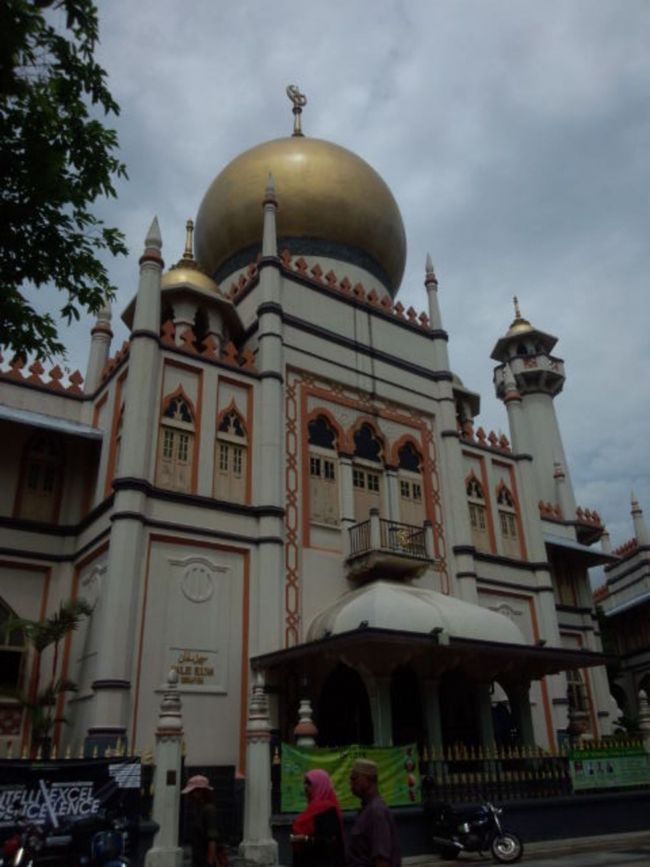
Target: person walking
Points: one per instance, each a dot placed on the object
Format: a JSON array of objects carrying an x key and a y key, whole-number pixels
[
  {"x": 373, "y": 839},
  {"x": 203, "y": 828},
  {"x": 317, "y": 833}
]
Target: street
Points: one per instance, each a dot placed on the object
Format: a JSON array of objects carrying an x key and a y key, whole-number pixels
[{"x": 606, "y": 851}]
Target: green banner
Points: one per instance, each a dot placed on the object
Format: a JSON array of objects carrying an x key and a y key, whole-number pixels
[
  {"x": 399, "y": 777},
  {"x": 609, "y": 768}
]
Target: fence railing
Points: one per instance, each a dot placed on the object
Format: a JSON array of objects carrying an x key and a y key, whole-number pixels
[
  {"x": 360, "y": 539},
  {"x": 393, "y": 537},
  {"x": 403, "y": 539}
]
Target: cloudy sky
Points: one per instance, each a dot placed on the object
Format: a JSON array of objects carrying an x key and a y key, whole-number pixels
[{"x": 515, "y": 137}]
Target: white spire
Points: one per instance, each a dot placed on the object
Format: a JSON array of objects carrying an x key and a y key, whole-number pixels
[
  {"x": 270, "y": 203},
  {"x": 154, "y": 238},
  {"x": 640, "y": 526}
]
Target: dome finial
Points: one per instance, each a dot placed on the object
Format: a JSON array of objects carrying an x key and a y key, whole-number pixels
[
  {"x": 189, "y": 229},
  {"x": 517, "y": 310},
  {"x": 299, "y": 101}
]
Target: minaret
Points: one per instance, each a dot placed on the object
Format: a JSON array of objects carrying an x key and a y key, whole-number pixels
[
  {"x": 525, "y": 357},
  {"x": 269, "y": 480},
  {"x": 440, "y": 353},
  {"x": 117, "y": 615},
  {"x": 640, "y": 526},
  {"x": 100, "y": 347}
]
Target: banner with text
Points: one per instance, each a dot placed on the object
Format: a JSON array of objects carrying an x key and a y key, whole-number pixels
[
  {"x": 56, "y": 792},
  {"x": 399, "y": 778},
  {"x": 609, "y": 768}
]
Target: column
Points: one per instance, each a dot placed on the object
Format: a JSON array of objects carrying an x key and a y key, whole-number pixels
[
  {"x": 258, "y": 846},
  {"x": 519, "y": 697},
  {"x": 167, "y": 780},
  {"x": 485, "y": 720},
  {"x": 431, "y": 696}
]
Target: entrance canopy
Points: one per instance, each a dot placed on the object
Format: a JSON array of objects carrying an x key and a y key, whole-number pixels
[{"x": 480, "y": 660}]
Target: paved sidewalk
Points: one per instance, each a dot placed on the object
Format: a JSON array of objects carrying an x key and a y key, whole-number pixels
[
  {"x": 635, "y": 847},
  {"x": 600, "y": 851}
]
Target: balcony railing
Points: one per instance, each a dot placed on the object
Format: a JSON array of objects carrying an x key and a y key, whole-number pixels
[{"x": 380, "y": 545}]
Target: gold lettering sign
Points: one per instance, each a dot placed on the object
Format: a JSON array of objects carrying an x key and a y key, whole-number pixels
[{"x": 191, "y": 667}]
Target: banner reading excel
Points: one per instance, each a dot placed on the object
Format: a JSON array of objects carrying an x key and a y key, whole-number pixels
[
  {"x": 399, "y": 777},
  {"x": 609, "y": 768}
]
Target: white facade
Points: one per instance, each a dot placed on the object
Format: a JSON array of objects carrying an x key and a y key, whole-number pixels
[{"x": 287, "y": 450}]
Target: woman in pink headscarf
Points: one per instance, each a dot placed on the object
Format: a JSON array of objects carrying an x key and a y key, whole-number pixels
[{"x": 317, "y": 833}]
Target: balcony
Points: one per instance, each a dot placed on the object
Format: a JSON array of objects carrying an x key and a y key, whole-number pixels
[{"x": 387, "y": 549}]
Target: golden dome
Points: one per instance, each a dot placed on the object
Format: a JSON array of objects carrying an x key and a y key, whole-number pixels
[{"x": 330, "y": 203}]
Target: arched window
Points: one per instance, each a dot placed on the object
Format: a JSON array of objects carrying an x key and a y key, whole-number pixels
[
  {"x": 231, "y": 458},
  {"x": 508, "y": 522},
  {"x": 323, "y": 473},
  {"x": 410, "y": 485},
  {"x": 12, "y": 650},
  {"x": 176, "y": 445},
  {"x": 477, "y": 513},
  {"x": 367, "y": 472},
  {"x": 42, "y": 478}
]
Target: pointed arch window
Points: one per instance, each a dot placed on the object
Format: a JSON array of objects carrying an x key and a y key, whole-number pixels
[
  {"x": 12, "y": 649},
  {"x": 176, "y": 445},
  {"x": 508, "y": 522},
  {"x": 367, "y": 472},
  {"x": 477, "y": 513},
  {"x": 410, "y": 485},
  {"x": 42, "y": 478},
  {"x": 323, "y": 473},
  {"x": 231, "y": 458}
]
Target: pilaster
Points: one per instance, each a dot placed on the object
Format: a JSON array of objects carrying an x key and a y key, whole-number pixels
[
  {"x": 167, "y": 779},
  {"x": 258, "y": 846}
]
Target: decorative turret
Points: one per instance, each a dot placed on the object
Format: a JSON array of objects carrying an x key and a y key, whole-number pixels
[
  {"x": 640, "y": 526},
  {"x": 440, "y": 353},
  {"x": 147, "y": 304},
  {"x": 270, "y": 204},
  {"x": 100, "y": 347},
  {"x": 528, "y": 352},
  {"x": 529, "y": 377}
]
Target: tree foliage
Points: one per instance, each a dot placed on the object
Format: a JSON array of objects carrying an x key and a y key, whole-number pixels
[
  {"x": 56, "y": 159},
  {"x": 40, "y": 700}
]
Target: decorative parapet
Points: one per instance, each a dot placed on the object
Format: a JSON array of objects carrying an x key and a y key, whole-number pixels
[
  {"x": 626, "y": 548},
  {"x": 496, "y": 442},
  {"x": 115, "y": 360},
  {"x": 550, "y": 511},
  {"x": 341, "y": 287},
  {"x": 15, "y": 373},
  {"x": 600, "y": 593},
  {"x": 587, "y": 516},
  {"x": 209, "y": 347}
]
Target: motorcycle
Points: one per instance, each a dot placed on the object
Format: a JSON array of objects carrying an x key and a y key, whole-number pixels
[
  {"x": 94, "y": 841},
  {"x": 31, "y": 844},
  {"x": 474, "y": 829},
  {"x": 100, "y": 840}
]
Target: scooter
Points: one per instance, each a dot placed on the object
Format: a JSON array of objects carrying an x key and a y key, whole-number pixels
[{"x": 475, "y": 829}]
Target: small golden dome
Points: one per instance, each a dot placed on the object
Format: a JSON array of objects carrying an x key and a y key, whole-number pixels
[
  {"x": 181, "y": 274},
  {"x": 187, "y": 270},
  {"x": 330, "y": 203}
]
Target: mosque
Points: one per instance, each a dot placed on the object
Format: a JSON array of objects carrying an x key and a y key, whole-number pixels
[{"x": 278, "y": 480}]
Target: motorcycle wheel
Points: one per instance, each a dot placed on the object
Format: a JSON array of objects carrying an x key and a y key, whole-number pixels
[{"x": 507, "y": 847}]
